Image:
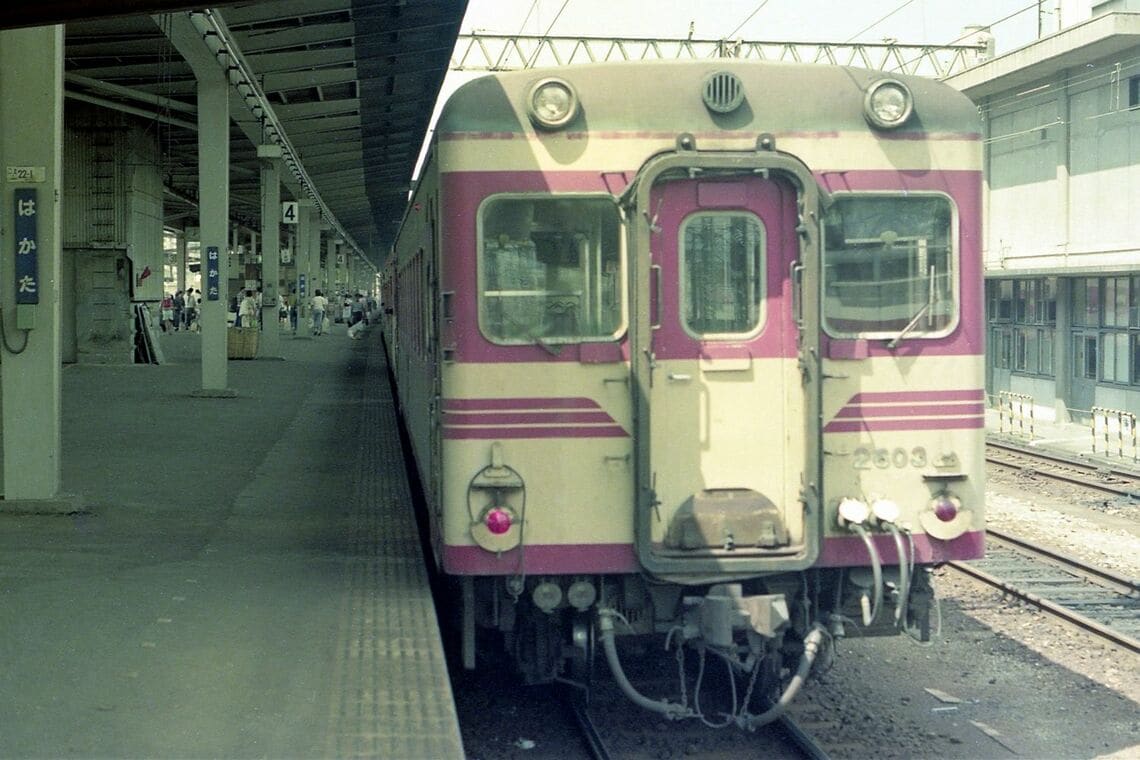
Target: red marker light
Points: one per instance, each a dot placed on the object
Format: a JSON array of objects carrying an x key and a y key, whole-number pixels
[
  {"x": 945, "y": 509},
  {"x": 498, "y": 520}
]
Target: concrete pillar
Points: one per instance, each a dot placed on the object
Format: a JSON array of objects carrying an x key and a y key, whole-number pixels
[
  {"x": 213, "y": 194},
  {"x": 31, "y": 105},
  {"x": 180, "y": 257},
  {"x": 303, "y": 256},
  {"x": 269, "y": 345}
]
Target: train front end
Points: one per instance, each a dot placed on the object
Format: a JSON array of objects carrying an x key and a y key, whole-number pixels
[{"x": 711, "y": 356}]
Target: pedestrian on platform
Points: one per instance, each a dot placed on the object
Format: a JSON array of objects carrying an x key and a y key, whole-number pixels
[
  {"x": 178, "y": 305},
  {"x": 318, "y": 304},
  {"x": 190, "y": 308},
  {"x": 167, "y": 313},
  {"x": 247, "y": 310}
]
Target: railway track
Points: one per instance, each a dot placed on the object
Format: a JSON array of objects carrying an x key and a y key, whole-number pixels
[
  {"x": 782, "y": 739},
  {"x": 1115, "y": 480},
  {"x": 1101, "y": 602}
]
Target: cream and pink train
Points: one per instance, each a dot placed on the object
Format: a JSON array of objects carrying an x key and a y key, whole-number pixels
[{"x": 694, "y": 350}]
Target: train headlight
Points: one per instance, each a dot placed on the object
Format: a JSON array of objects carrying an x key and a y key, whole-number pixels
[
  {"x": 853, "y": 512},
  {"x": 886, "y": 510},
  {"x": 888, "y": 104},
  {"x": 945, "y": 518},
  {"x": 552, "y": 103}
]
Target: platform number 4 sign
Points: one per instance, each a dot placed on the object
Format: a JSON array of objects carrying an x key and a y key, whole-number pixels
[{"x": 289, "y": 212}]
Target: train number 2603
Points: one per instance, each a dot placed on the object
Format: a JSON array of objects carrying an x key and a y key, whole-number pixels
[{"x": 867, "y": 458}]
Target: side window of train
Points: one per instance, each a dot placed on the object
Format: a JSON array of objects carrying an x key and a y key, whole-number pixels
[
  {"x": 722, "y": 281},
  {"x": 551, "y": 269},
  {"x": 889, "y": 266}
]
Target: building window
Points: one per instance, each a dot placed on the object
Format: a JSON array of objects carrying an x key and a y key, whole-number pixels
[
  {"x": 1084, "y": 357},
  {"x": 1001, "y": 300},
  {"x": 1116, "y": 301},
  {"x": 1003, "y": 349},
  {"x": 1116, "y": 354},
  {"x": 1031, "y": 308},
  {"x": 1086, "y": 301},
  {"x": 1045, "y": 344},
  {"x": 1133, "y": 92}
]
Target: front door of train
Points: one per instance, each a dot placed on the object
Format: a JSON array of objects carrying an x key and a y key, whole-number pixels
[{"x": 725, "y": 411}]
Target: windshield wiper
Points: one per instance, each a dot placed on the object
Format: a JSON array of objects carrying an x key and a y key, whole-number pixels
[{"x": 926, "y": 307}]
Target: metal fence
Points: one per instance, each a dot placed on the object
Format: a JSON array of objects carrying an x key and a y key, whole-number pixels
[
  {"x": 1017, "y": 409},
  {"x": 1108, "y": 424}
]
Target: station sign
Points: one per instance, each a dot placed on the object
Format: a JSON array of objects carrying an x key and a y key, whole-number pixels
[{"x": 26, "y": 240}]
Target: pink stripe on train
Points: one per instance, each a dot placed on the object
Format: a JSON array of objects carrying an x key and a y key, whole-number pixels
[
  {"x": 910, "y": 410},
  {"x": 838, "y": 551},
  {"x": 490, "y": 418}
]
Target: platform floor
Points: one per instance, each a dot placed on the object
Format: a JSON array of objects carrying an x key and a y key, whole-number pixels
[{"x": 242, "y": 577}]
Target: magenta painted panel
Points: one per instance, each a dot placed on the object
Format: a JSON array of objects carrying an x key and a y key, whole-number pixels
[
  {"x": 494, "y": 433},
  {"x": 774, "y": 203},
  {"x": 909, "y": 410},
  {"x": 467, "y": 404},
  {"x": 912, "y": 397},
  {"x": 558, "y": 558},
  {"x": 965, "y": 188},
  {"x": 837, "y": 551},
  {"x": 460, "y": 196},
  {"x": 926, "y": 423},
  {"x": 846, "y": 551},
  {"x": 461, "y": 193},
  {"x": 454, "y": 418}
]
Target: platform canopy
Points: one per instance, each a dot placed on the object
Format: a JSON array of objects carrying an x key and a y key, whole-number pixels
[{"x": 347, "y": 86}]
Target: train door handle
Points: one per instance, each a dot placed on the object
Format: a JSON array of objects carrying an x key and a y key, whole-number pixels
[
  {"x": 680, "y": 377},
  {"x": 795, "y": 274},
  {"x": 655, "y": 276}
]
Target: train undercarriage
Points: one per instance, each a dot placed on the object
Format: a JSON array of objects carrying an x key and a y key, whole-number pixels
[{"x": 768, "y": 633}]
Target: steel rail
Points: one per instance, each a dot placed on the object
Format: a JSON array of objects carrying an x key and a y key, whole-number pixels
[
  {"x": 1086, "y": 472},
  {"x": 1060, "y": 611},
  {"x": 1124, "y": 586},
  {"x": 802, "y": 740}
]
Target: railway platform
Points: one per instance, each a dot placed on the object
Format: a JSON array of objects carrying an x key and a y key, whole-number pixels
[
  {"x": 1107, "y": 438},
  {"x": 235, "y": 577}
]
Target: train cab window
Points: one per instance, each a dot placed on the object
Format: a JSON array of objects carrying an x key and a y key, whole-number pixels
[
  {"x": 722, "y": 282},
  {"x": 889, "y": 266},
  {"x": 550, "y": 270}
]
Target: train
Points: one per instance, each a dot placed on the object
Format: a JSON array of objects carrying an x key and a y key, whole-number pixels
[{"x": 693, "y": 351}]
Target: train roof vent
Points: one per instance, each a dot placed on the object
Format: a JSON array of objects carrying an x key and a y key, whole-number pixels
[{"x": 723, "y": 92}]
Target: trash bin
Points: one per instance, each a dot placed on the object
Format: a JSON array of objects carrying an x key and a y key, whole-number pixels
[{"x": 241, "y": 342}]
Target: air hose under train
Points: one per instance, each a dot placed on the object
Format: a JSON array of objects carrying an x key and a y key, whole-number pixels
[
  {"x": 813, "y": 642},
  {"x": 670, "y": 710}
]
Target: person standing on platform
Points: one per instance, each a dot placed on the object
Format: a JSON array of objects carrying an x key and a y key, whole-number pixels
[
  {"x": 247, "y": 310},
  {"x": 318, "y": 304},
  {"x": 177, "y": 305},
  {"x": 190, "y": 308}
]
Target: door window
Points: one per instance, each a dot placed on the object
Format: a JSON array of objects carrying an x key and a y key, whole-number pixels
[{"x": 722, "y": 283}]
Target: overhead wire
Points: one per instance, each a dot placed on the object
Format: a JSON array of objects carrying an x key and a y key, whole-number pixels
[
  {"x": 740, "y": 26},
  {"x": 876, "y": 23},
  {"x": 545, "y": 34}
]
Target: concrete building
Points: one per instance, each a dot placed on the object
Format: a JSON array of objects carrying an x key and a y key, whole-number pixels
[{"x": 1062, "y": 249}]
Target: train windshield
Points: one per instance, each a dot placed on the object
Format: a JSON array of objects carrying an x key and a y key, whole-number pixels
[
  {"x": 889, "y": 266},
  {"x": 550, "y": 269}
]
